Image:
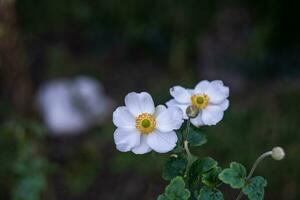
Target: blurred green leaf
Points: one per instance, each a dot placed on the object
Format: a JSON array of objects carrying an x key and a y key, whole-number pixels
[
  {"x": 29, "y": 187},
  {"x": 162, "y": 197}
]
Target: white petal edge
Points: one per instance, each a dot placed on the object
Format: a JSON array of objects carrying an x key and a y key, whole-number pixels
[
  {"x": 222, "y": 88},
  {"x": 183, "y": 107},
  {"x": 138, "y": 103},
  {"x": 224, "y": 105},
  {"x": 159, "y": 109},
  {"x": 143, "y": 147},
  {"x": 216, "y": 93},
  {"x": 201, "y": 87},
  {"x": 162, "y": 142},
  {"x": 212, "y": 114},
  {"x": 180, "y": 94},
  {"x": 169, "y": 119},
  {"x": 123, "y": 118},
  {"x": 126, "y": 140}
]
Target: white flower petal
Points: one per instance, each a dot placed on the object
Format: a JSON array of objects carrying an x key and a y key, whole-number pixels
[
  {"x": 126, "y": 140},
  {"x": 123, "y": 118},
  {"x": 180, "y": 94},
  {"x": 143, "y": 147},
  {"x": 183, "y": 107},
  {"x": 159, "y": 109},
  {"x": 139, "y": 103},
  {"x": 201, "y": 87},
  {"x": 212, "y": 114},
  {"x": 219, "y": 84},
  {"x": 169, "y": 120},
  {"x": 197, "y": 121},
  {"x": 224, "y": 105},
  {"x": 216, "y": 93},
  {"x": 162, "y": 142}
]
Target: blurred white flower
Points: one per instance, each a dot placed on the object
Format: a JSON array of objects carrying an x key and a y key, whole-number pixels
[
  {"x": 72, "y": 106},
  {"x": 141, "y": 127},
  {"x": 209, "y": 97}
]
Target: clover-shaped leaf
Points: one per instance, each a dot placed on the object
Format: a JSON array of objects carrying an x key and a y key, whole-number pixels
[
  {"x": 211, "y": 178},
  {"x": 254, "y": 189},
  {"x": 175, "y": 166},
  {"x": 196, "y": 138},
  {"x": 235, "y": 175},
  {"x": 175, "y": 190},
  {"x": 207, "y": 193}
]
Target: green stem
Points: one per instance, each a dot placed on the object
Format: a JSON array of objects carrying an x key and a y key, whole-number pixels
[
  {"x": 186, "y": 147},
  {"x": 186, "y": 143},
  {"x": 258, "y": 160}
]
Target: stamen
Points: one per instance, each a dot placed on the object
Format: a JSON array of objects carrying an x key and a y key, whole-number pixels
[
  {"x": 145, "y": 123},
  {"x": 200, "y": 100}
]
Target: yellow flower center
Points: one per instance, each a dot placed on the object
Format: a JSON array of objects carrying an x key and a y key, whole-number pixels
[
  {"x": 145, "y": 123},
  {"x": 200, "y": 100}
]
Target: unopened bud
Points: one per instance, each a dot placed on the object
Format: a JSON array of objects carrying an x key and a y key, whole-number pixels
[
  {"x": 278, "y": 153},
  {"x": 192, "y": 111}
]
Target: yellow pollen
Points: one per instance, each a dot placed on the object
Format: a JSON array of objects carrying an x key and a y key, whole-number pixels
[
  {"x": 145, "y": 123},
  {"x": 200, "y": 100}
]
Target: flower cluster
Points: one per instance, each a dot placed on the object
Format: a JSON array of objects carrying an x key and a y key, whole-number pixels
[
  {"x": 210, "y": 98},
  {"x": 142, "y": 127}
]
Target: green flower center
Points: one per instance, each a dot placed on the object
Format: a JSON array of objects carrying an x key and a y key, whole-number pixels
[
  {"x": 146, "y": 123},
  {"x": 200, "y": 100}
]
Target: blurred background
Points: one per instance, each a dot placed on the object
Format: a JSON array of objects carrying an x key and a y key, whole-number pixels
[{"x": 66, "y": 64}]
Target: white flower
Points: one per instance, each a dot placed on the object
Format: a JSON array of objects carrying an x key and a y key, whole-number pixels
[
  {"x": 141, "y": 127},
  {"x": 209, "y": 97},
  {"x": 72, "y": 106}
]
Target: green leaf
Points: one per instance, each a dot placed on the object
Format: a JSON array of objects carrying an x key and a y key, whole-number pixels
[
  {"x": 196, "y": 138},
  {"x": 202, "y": 165},
  {"x": 198, "y": 168},
  {"x": 162, "y": 197},
  {"x": 179, "y": 144},
  {"x": 175, "y": 190},
  {"x": 174, "y": 167},
  {"x": 211, "y": 178},
  {"x": 207, "y": 193},
  {"x": 255, "y": 188},
  {"x": 235, "y": 175}
]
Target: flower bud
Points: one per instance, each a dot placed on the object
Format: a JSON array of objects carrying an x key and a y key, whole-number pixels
[
  {"x": 278, "y": 153},
  {"x": 192, "y": 111}
]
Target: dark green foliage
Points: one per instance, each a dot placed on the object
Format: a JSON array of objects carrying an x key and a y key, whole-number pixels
[
  {"x": 254, "y": 189},
  {"x": 175, "y": 166},
  {"x": 202, "y": 166},
  {"x": 22, "y": 168},
  {"x": 207, "y": 193},
  {"x": 196, "y": 137},
  {"x": 235, "y": 175},
  {"x": 211, "y": 178},
  {"x": 175, "y": 190}
]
